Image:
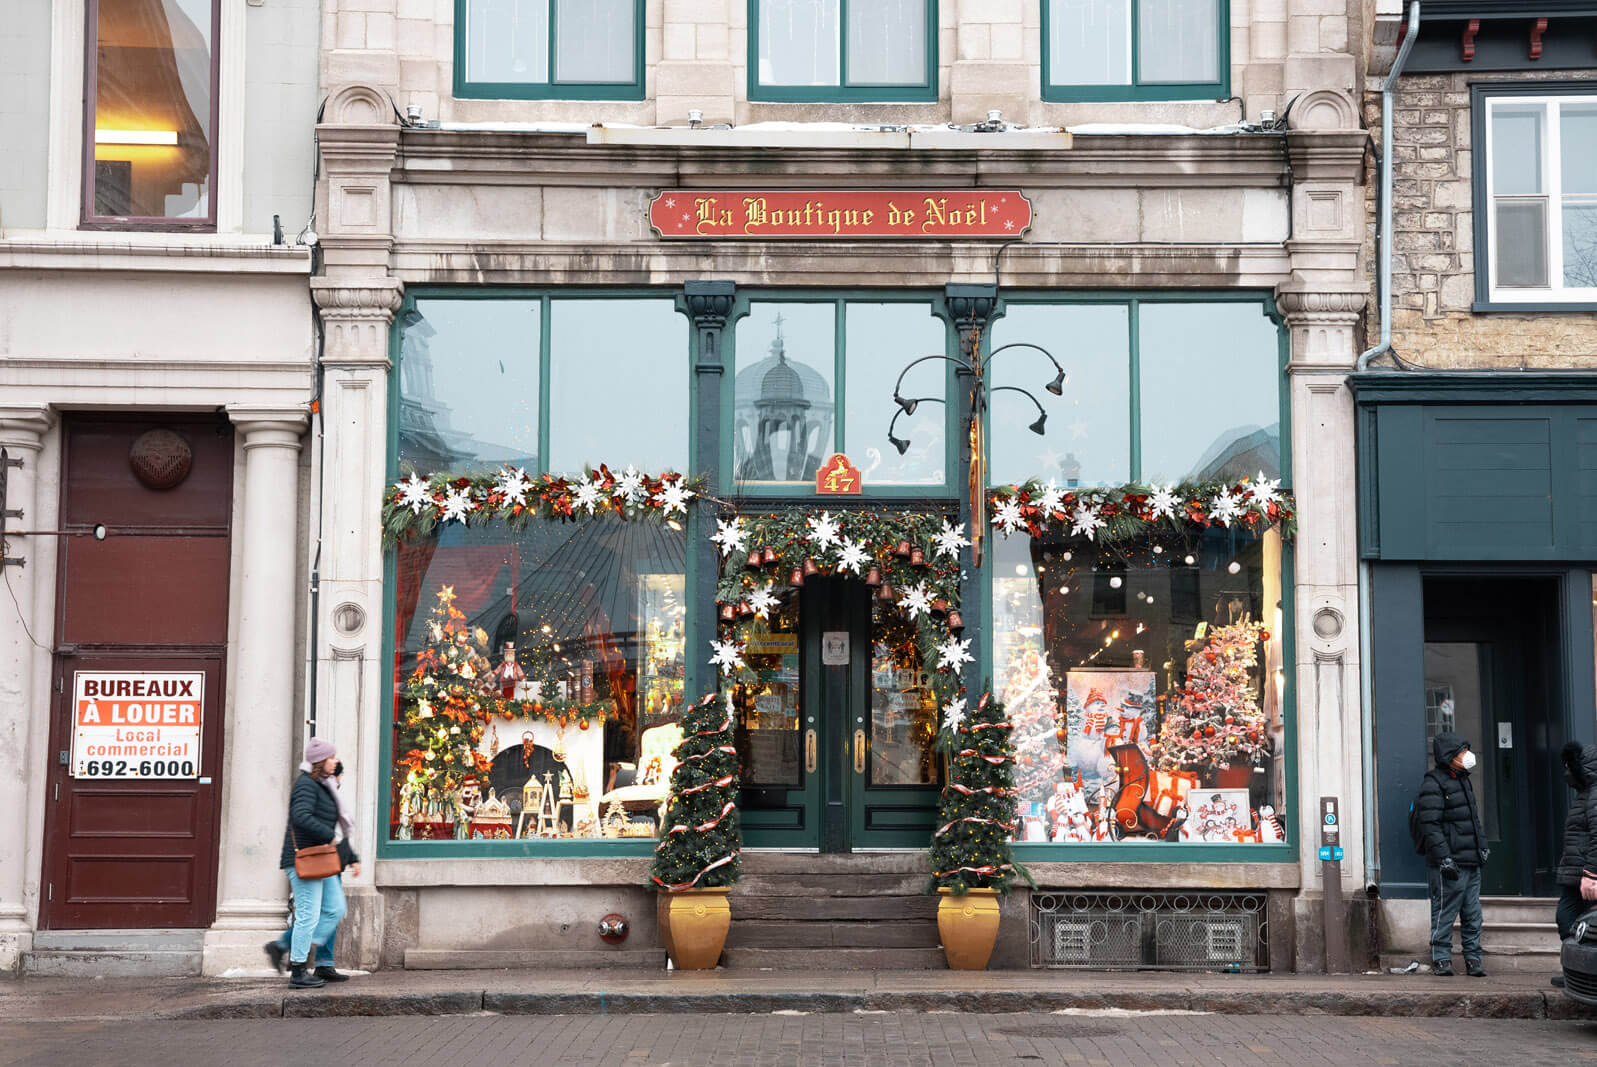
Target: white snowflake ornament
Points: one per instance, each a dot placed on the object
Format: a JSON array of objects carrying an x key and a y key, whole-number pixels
[
  {"x": 1086, "y": 521},
  {"x": 851, "y": 556},
  {"x": 953, "y": 654},
  {"x": 763, "y": 600},
  {"x": 458, "y": 503},
  {"x": 586, "y": 494},
  {"x": 727, "y": 656},
  {"x": 1162, "y": 503},
  {"x": 954, "y": 714},
  {"x": 1225, "y": 507},
  {"x": 1265, "y": 491},
  {"x": 629, "y": 487},
  {"x": 673, "y": 497},
  {"x": 1007, "y": 518},
  {"x": 823, "y": 531},
  {"x": 917, "y": 601},
  {"x": 513, "y": 484},
  {"x": 949, "y": 540},
  {"x": 729, "y": 535},
  {"x": 414, "y": 493},
  {"x": 1053, "y": 497}
]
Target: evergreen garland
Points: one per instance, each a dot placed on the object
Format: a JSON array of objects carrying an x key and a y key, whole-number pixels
[
  {"x": 701, "y": 839},
  {"x": 976, "y": 820}
]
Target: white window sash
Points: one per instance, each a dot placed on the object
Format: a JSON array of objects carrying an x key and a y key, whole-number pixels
[{"x": 1552, "y": 194}]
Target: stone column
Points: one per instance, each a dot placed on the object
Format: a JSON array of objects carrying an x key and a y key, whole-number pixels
[
  {"x": 22, "y": 431},
  {"x": 351, "y": 706},
  {"x": 262, "y": 715}
]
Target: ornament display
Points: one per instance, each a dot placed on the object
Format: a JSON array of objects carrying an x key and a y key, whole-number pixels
[{"x": 1116, "y": 514}]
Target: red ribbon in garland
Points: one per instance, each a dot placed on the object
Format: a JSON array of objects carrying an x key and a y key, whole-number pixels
[
  {"x": 678, "y": 887},
  {"x": 991, "y": 790},
  {"x": 985, "y": 822},
  {"x": 711, "y": 825},
  {"x": 996, "y": 761},
  {"x": 989, "y": 869},
  {"x": 718, "y": 783}
]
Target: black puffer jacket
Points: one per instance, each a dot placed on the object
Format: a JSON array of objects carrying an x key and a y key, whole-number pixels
[
  {"x": 1450, "y": 822},
  {"x": 312, "y": 818},
  {"x": 1580, "y": 828}
]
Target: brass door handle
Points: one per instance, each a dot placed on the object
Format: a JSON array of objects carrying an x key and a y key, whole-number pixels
[
  {"x": 859, "y": 751},
  {"x": 809, "y": 751}
]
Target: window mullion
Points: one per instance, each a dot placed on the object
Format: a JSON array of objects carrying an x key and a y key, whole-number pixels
[
  {"x": 842, "y": 54},
  {"x": 1135, "y": 28},
  {"x": 1555, "y": 196},
  {"x": 839, "y": 373},
  {"x": 544, "y": 361},
  {"x": 1134, "y": 384},
  {"x": 551, "y": 22}
]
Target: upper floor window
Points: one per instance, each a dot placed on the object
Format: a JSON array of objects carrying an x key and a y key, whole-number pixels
[
  {"x": 843, "y": 50},
  {"x": 150, "y": 93},
  {"x": 549, "y": 49},
  {"x": 1134, "y": 50},
  {"x": 1540, "y": 191}
]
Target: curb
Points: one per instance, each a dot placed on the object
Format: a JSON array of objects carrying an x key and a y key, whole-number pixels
[{"x": 1527, "y": 1005}]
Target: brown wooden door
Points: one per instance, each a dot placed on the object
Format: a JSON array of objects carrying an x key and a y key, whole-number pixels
[
  {"x": 136, "y": 846},
  {"x": 127, "y": 850}
]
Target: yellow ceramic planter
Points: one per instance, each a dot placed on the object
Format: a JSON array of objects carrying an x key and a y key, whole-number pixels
[
  {"x": 969, "y": 927},
  {"x": 693, "y": 925}
]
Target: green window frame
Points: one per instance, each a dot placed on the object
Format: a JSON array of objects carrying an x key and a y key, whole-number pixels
[
  {"x": 1137, "y": 89},
  {"x": 552, "y": 89},
  {"x": 936, "y": 309},
  {"x": 843, "y": 92},
  {"x": 695, "y": 583},
  {"x": 1185, "y": 851}
]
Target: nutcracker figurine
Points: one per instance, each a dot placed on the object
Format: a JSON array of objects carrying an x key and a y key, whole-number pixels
[{"x": 509, "y": 673}]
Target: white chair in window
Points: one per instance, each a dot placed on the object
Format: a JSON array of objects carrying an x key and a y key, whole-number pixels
[{"x": 653, "y": 771}]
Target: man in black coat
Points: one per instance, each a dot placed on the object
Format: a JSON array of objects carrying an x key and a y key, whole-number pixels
[
  {"x": 1577, "y": 866},
  {"x": 1455, "y": 849}
]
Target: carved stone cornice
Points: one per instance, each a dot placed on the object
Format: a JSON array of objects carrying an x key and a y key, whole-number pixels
[
  {"x": 708, "y": 303},
  {"x": 1318, "y": 307},
  {"x": 375, "y": 299},
  {"x": 23, "y": 426}
]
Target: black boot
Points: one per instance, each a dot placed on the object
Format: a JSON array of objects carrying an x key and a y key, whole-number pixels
[
  {"x": 327, "y": 974},
  {"x": 274, "y": 952},
  {"x": 1442, "y": 968},
  {"x": 1474, "y": 969},
  {"x": 299, "y": 978}
]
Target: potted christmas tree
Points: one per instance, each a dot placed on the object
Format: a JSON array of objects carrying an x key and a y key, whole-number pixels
[
  {"x": 696, "y": 861},
  {"x": 972, "y": 862},
  {"x": 1215, "y": 727}
]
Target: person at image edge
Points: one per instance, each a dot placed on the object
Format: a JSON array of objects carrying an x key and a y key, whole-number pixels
[
  {"x": 277, "y": 951},
  {"x": 1577, "y": 867},
  {"x": 1455, "y": 851},
  {"x": 316, "y": 816}
]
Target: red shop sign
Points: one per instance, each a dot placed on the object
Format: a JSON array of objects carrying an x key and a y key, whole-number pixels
[
  {"x": 838, "y": 477},
  {"x": 840, "y": 213}
]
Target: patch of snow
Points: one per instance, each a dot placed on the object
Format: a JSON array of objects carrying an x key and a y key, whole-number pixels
[{"x": 1148, "y": 129}]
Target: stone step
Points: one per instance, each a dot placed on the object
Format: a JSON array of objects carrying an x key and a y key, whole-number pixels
[
  {"x": 1520, "y": 936},
  {"x": 106, "y": 963},
  {"x": 835, "y": 959},
  {"x": 1528, "y": 962},
  {"x": 441, "y": 959},
  {"x": 821, "y": 884},
  {"x": 764, "y": 933},
  {"x": 830, "y": 908},
  {"x": 119, "y": 940},
  {"x": 757, "y": 862},
  {"x": 1519, "y": 909}
]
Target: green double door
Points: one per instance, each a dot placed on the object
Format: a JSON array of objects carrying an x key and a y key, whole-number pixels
[{"x": 835, "y": 725}]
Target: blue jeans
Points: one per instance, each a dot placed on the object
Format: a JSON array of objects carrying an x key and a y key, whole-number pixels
[
  {"x": 318, "y": 908},
  {"x": 324, "y": 953},
  {"x": 1458, "y": 898}
]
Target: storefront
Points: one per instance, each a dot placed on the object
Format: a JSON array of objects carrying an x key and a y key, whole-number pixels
[{"x": 628, "y": 469}]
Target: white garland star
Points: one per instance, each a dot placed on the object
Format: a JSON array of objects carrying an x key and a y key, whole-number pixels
[
  {"x": 728, "y": 656},
  {"x": 415, "y": 494},
  {"x": 1225, "y": 507},
  {"x": 1085, "y": 521},
  {"x": 823, "y": 531},
  {"x": 763, "y": 600},
  {"x": 851, "y": 556},
  {"x": 1007, "y": 517},
  {"x": 630, "y": 485},
  {"x": 917, "y": 600},
  {"x": 513, "y": 485},
  {"x": 673, "y": 496},
  {"x": 729, "y": 535},
  {"x": 1265, "y": 491},
  {"x": 586, "y": 494},
  {"x": 458, "y": 503},
  {"x": 950, "y": 540},
  {"x": 1162, "y": 503},
  {"x": 954, "y": 653},
  {"x": 954, "y": 714},
  {"x": 1053, "y": 497}
]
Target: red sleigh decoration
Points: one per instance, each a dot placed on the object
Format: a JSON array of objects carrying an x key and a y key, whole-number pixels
[{"x": 1148, "y": 799}]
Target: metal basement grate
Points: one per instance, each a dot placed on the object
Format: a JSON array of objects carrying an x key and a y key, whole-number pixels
[{"x": 1149, "y": 931}]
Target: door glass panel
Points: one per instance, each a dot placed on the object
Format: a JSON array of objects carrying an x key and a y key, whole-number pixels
[
  {"x": 1454, "y": 700},
  {"x": 766, "y": 696},
  {"x": 903, "y": 708}
]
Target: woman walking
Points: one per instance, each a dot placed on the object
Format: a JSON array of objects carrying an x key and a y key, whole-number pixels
[{"x": 315, "y": 815}]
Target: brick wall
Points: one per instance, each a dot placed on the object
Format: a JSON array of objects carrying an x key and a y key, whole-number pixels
[{"x": 1434, "y": 257}]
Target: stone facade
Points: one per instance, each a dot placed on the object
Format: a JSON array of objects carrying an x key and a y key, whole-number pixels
[{"x": 1434, "y": 256}]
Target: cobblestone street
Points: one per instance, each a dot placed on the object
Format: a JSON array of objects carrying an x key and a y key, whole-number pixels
[{"x": 877, "y": 1040}]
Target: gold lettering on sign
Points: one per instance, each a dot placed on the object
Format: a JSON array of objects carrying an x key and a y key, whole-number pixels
[
  {"x": 897, "y": 216},
  {"x": 754, "y": 213},
  {"x": 709, "y": 214}
]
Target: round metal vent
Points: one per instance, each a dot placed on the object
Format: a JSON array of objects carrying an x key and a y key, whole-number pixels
[{"x": 160, "y": 459}]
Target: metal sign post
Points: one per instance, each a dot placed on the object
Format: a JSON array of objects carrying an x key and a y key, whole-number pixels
[{"x": 1335, "y": 917}]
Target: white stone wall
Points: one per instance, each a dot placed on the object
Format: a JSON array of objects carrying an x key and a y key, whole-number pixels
[
  {"x": 24, "y": 113},
  {"x": 282, "y": 40}
]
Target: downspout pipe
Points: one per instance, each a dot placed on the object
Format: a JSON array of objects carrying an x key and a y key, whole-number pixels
[
  {"x": 1384, "y": 269},
  {"x": 1372, "y": 862}
]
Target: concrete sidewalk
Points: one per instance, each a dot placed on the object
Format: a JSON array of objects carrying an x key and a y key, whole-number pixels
[{"x": 1511, "y": 995}]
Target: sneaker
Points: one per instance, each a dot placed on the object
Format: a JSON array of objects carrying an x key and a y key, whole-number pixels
[
  {"x": 274, "y": 952},
  {"x": 299, "y": 978},
  {"x": 1474, "y": 969},
  {"x": 1442, "y": 968},
  {"x": 1558, "y": 980},
  {"x": 327, "y": 974}
]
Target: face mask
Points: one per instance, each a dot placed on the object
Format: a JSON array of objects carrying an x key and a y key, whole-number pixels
[{"x": 1467, "y": 760}]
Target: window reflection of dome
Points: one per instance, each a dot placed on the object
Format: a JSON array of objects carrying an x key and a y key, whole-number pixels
[
  {"x": 751, "y": 380},
  {"x": 782, "y": 384}
]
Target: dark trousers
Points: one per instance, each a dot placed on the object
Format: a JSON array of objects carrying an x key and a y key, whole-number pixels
[
  {"x": 1570, "y": 907},
  {"x": 1455, "y": 898}
]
